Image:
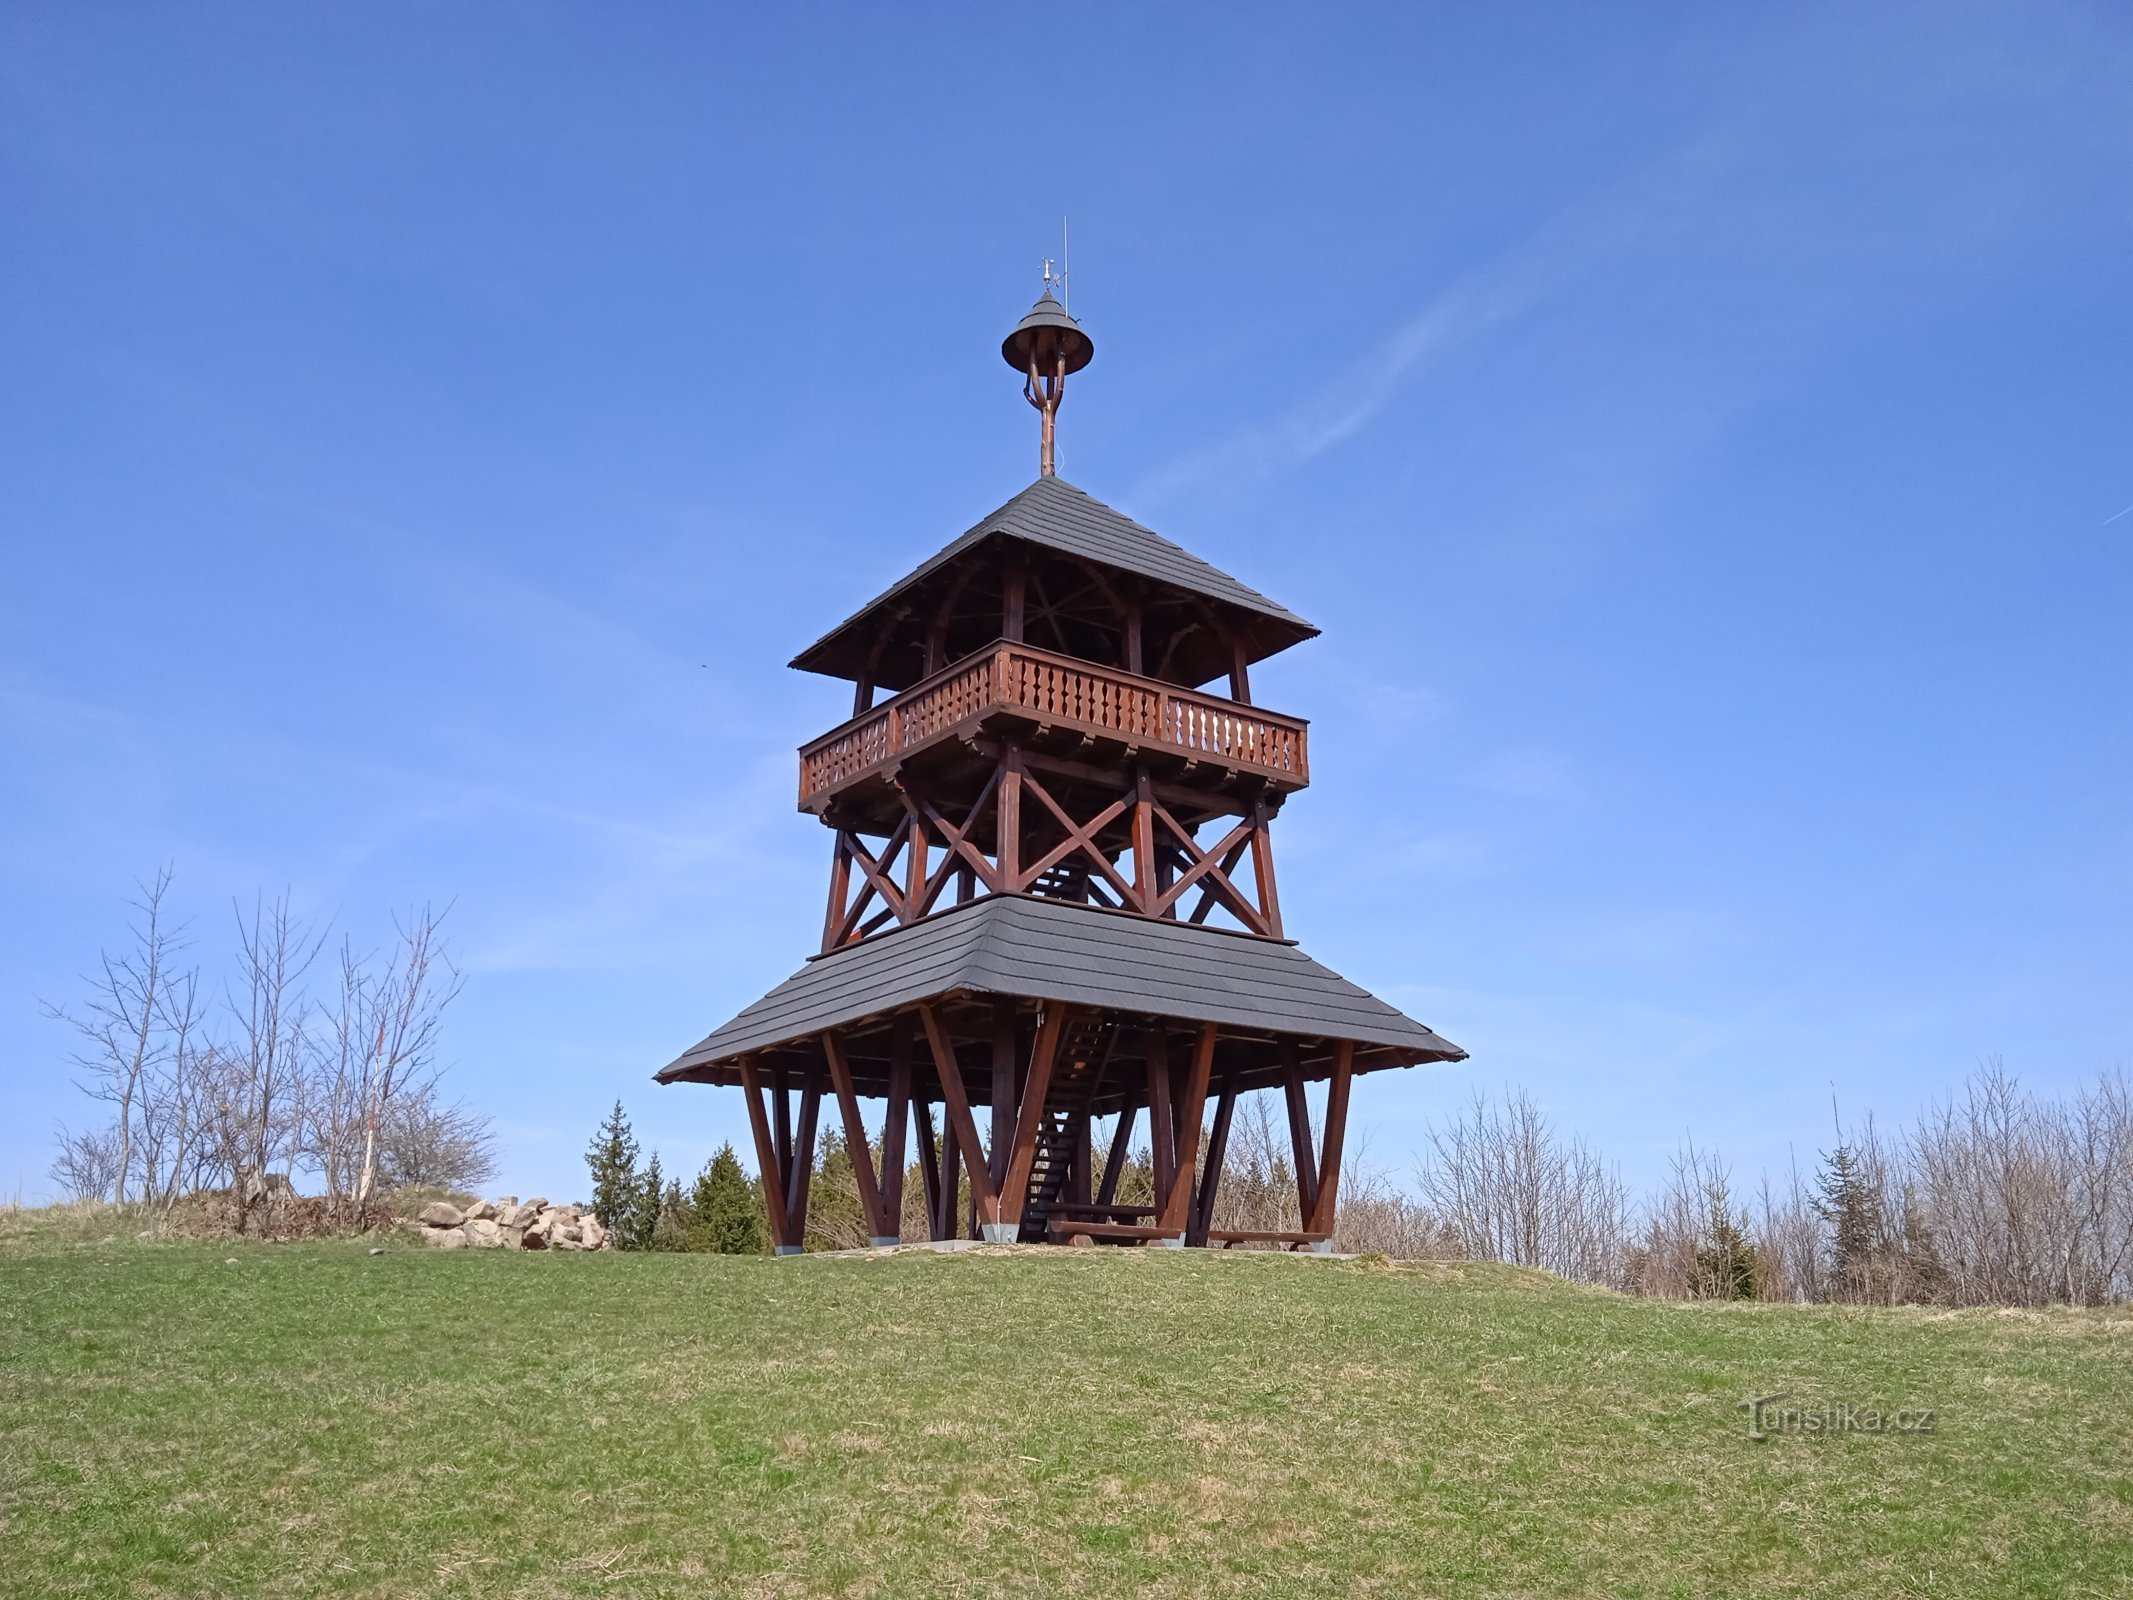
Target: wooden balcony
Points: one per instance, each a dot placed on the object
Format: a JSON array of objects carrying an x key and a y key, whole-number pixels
[{"x": 1057, "y": 693}]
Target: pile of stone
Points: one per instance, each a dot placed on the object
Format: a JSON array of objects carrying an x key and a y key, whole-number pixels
[{"x": 506, "y": 1224}]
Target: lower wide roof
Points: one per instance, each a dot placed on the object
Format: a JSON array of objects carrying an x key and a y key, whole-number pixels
[{"x": 1031, "y": 948}]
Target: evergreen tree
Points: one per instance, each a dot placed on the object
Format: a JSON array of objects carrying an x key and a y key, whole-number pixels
[
  {"x": 725, "y": 1210},
  {"x": 1725, "y": 1261},
  {"x": 1851, "y": 1204},
  {"x": 612, "y": 1159},
  {"x": 641, "y": 1223}
]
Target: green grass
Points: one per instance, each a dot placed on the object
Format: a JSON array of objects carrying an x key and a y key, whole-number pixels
[{"x": 218, "y": 1419}]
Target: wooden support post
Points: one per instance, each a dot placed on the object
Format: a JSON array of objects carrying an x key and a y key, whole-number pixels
[
  {"x": 1203, "y": 1209},
  {"x": 840, "y": 893},
  {"x": 984, "y": 1198},
  {"x": 768, "y": 1168},
  {"x": 803, "y": 1161},
  {"x": 1263, "y": 869},
  {"x": 951, "y": 1181},
  {"x": 1240, "y": 676},
  {"x": 881, "y": 1228},
  {"x": 1007, "y": 847},
  {"x": 1162, "y": 1146},
  {"x": 1324, "y": 1214},
  {"x": 895, "y": 1125},
  {"x": 1121, "y": 1147},
  {"x": 917, "y": 868},
  {"x": 781, "y": 1100},
  {"x": 1300, "y": 1148},
  {"x": 1003, "y": 1089},
  {"x": 1144, "y": 889},
  {"x": 1133, "y": 635},
  {"x": 1177, "y": 1205},
  {"x": 929, "y": 1163},
  {"x": 1015, "y": 1189},
  {"x": 863, "y": 692},
  {"x": 1081, "y": 1182}
]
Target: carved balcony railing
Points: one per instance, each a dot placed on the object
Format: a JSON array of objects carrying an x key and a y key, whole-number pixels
[{"x": 1058, "y": 691}]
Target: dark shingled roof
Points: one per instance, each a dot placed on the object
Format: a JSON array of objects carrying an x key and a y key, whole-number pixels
[
  {"x": 1055, "y": 950},
  {"x": 1052, "y": 512}
]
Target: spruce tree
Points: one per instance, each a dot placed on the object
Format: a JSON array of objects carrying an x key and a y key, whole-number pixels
[
  {"x": 612, "y": 1159},
  {"x": 1851, "y": 1204},
  {"x": 642, "y": 1226},
  {"x": 1725, "y": 1262},
  {"x": 725, "y": 1210}
]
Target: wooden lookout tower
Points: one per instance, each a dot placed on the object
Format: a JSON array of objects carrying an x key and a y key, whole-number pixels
[{"x": 1052, "y": 898}]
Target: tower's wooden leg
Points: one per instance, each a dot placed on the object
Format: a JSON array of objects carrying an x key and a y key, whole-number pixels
[
  {"x": 1325, "y": 1213},
  {"x": 1203, "y": 1210}
]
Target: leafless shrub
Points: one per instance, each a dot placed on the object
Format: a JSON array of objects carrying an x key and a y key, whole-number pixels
[
  {"x": 1508, "y": 1188},
  {"x": 240, "y": 1091}
]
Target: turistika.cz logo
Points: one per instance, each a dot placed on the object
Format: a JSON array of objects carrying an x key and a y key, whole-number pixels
[{"x": 1770, "y": 1415}]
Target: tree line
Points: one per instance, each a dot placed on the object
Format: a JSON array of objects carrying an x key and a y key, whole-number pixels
[
  {"x": 1993, "y": 1196},
  {"x": 289, "y": 1059}
]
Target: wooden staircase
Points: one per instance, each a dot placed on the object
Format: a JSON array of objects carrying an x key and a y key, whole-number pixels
[{"x": 1077, "y": 1074}]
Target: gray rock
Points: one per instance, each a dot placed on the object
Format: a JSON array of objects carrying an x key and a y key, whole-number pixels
[
  {"x": 510, "y": 1215},
  {"x": 566, "y": 1233},
  {"x": 481, "y": 1211},
  {"x": 535, "y": 1206},
  {"x": 484, "y": 1234},
  {"x": 447, "y": 1239},
  {"x": 442, "y": 1214},
  {"x": 533, "y": 1238},
  {"x": 592, "y": 1234}
]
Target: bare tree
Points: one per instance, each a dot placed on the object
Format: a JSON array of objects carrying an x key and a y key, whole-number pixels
[
  {"x": 275, "y": 949},
  {"x": 1509, "y": 1189},
  {"x": 424, "y": 1142},
  {"x": 123, "y": 1024}
]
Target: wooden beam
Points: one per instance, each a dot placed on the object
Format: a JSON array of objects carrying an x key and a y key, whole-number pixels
[
  {"x": 1203, "y": 1208},
  {"x": 1177, "y": 1208},
  {"x": 1300, "y": 1145},
  {"x": 1175, "y": 794},
  {"x": 1015, "y": 1189},
  {"x": 781, "y": 1121},
  {"x": 840, "y": 892},
  {"x": 1162, "y": 1106},
  {"x": 802, "y": 1175},
  {"x": 984, "y": 1197},
  {"x": 895, "y": 1125},
  {"x": 1143, "y": 843},
  {"x": 1078, "y": 837},
  {"x": 1003, "y": 1087},
  {"x": 1263, "y": 868},
  {"x": 1324, "y": 1214},
  {"x": 1121, "y": 1147},
  {"x": 856, "y": 1144},
  {"x": 768, "y": 1169},
  {"x": 1007, "y": 824},
  {"x": 930, "y": 1153}
]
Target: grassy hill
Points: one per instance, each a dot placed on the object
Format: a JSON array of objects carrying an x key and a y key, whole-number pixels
[{"x": 249, "y": 1420}]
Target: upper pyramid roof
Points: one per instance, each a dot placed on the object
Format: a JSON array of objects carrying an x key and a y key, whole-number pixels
[{"x": 1056, "y": 515}]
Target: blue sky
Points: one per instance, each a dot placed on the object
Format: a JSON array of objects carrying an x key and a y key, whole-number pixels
[{"x": 1697, "y": 430}]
